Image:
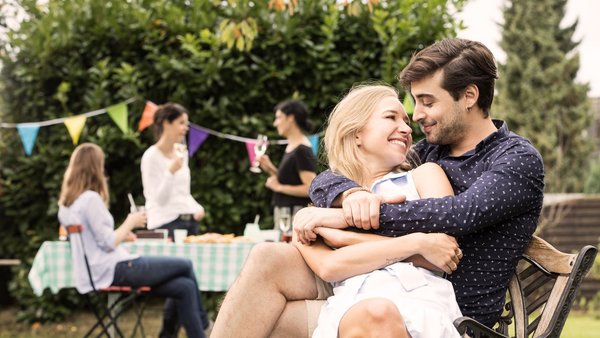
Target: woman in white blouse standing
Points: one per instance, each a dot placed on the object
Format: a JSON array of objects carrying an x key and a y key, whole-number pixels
[
  {"x": 166, "y": 175},
  {"x": 166, "y": 179}
]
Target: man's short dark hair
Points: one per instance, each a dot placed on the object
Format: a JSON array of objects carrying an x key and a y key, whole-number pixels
[{"x": 463, "y": 62}]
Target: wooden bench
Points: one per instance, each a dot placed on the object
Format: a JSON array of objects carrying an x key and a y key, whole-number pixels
[{"x": 540, "y": 293}]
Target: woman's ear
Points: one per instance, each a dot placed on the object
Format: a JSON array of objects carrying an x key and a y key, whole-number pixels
[{"x": 357, "y": 140}]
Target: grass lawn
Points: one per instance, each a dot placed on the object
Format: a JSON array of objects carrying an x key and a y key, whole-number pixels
[
  {"x": 577, "y": 326},
  {"x": 581, "y": 326}
]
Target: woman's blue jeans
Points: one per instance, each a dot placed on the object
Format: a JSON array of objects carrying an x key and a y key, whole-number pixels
[{"x": 171, "y": 277}]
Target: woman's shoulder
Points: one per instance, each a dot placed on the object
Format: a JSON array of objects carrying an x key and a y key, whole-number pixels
[
  {"x": 303, "y": 149},
  {"x": 427, "y": 168},
  {"x": 150, "y": 152},
  {"x": 88, "y": 196}
]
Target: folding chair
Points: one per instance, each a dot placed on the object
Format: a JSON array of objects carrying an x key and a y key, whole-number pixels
[
  {"x": 120, "y": 298},
  {"x": 540, "y": 293}
]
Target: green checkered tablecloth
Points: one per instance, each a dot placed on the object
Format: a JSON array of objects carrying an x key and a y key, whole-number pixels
[{"x": 216, "y": 265}]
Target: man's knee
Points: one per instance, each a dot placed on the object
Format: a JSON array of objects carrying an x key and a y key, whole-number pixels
[{"x": 270, "y": 257}]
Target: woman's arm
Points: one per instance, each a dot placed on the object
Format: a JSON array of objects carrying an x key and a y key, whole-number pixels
[
  {"x": 334, "y": 265},
  {"x": 133, "y": 220},
  {"x": 300, "y": 190},
  {"x": 267, "y": 165},
  {"x": 100, "y": 222},
  {"x": 157, "y": 181},
  {"x": 336, "y": 238}
]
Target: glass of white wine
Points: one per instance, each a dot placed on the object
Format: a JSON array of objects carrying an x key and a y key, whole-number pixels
[
  {"x": 285, "y": 224},
  {"x": 260, "y": 148},
  {"x": 181, "y": 148}
]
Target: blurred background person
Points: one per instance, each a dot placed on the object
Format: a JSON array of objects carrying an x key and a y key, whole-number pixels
[
  {"x": 166, "y": 175},
  {"x": 298, "y": 167},
  {"x": 166, "y": 180},
  {"x": 84, "y": 200}
]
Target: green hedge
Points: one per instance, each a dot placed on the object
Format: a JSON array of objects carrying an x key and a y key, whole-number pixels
[{"x": 71, "y": 57}]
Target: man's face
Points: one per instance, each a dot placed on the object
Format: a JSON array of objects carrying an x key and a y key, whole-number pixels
[{"x": 440, "y": 117}]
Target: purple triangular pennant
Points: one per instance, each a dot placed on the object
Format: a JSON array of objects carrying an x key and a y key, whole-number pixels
[{"x": 196, "y": 137}]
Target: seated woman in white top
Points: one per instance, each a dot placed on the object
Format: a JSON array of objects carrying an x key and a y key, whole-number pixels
[
  {"x": 166, "y": 175},
  {"x": 84, "y": 200},
  {"x": 367, "y": 139}
]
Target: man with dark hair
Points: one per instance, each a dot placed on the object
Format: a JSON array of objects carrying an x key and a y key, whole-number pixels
[{"x": 497, "y": 177}]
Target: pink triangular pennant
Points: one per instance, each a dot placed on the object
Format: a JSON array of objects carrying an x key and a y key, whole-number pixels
[{"x": 250, "y": 149}]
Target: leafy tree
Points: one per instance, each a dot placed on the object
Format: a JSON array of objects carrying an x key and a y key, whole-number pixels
[
  {"x": 537, "y": 93},
  {"x": 229, "y": 62}
]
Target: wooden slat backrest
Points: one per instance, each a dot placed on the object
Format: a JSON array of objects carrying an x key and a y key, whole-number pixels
[
  {"x": 540, "y": 294},
  {"x": 541, "y": 288}
]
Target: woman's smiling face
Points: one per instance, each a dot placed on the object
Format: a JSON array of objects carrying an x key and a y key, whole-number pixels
[{"x": 387, "y": 136}]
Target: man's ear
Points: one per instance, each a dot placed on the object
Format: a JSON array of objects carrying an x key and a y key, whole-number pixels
[{"x": 471, "y": 95}]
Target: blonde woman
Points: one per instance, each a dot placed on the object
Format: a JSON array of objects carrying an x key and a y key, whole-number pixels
[
  {"x": 368, "y": 140},
  {"x": 84, "y": 200}
]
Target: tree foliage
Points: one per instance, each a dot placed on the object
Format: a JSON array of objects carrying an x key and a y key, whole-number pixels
[
  {"x": 229, "y": 62},
  {"x": 537, "y": 93}
]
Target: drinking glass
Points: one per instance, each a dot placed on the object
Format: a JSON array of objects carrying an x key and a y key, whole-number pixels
[
  {"x": 285, "y": 224},
  {"x": 260, "y": 148},
  {"x": 181, "y": 148}
]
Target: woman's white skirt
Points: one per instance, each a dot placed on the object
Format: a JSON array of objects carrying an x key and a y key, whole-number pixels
[{"x": 425, "y": 300}]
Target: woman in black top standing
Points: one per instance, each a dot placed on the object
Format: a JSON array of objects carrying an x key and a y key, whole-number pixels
[{"x": 298, "y": 167}]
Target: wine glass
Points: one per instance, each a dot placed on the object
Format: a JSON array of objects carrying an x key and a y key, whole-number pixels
[
  {"x": 181, "y": 148},
  {"x": 260, "y": 148},
  {"x": 285, "y": 224}
]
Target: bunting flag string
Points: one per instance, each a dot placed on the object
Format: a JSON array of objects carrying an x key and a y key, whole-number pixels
[
  {"x": 62, "y": 119},
  {"x": 28, "y": 131}
]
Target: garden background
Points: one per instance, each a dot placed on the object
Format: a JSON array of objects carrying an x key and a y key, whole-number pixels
[{"x": 229, "y": 62}]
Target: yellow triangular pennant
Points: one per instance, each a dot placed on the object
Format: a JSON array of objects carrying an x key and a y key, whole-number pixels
[{"x": 74, "y": 125}]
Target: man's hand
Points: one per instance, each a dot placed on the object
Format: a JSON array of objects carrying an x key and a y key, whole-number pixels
[
  {"x": 440, "y": 250},
  {"x": 308, "y": 219},
  {"x": 361, "y": 209}
]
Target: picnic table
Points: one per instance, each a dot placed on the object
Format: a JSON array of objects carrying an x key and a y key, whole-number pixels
[{"x": 216, "y": 265}]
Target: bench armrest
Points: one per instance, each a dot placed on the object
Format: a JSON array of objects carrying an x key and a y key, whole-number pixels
[{"x": 476, "y": 329}]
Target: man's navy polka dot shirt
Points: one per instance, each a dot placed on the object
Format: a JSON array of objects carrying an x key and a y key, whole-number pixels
[{"x": 499, "y": 194}]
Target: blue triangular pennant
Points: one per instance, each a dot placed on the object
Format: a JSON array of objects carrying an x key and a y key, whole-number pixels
[{"x": 28, "y": 133}]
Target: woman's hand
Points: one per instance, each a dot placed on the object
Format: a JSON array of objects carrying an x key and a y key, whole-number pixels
[
  {"x": 440, "y": 250},
  {"x": 266, "y": 164},
  {"x": 273, "y": 183},
  {"x": 334, "y": 238},
  {"x": 176, "y": 164},
  {"x": 199, "y": 215},
  {"x": 307, "y": 219},
  {"x": 131, "y": 237},
  {"x": 136, "y": 220}
]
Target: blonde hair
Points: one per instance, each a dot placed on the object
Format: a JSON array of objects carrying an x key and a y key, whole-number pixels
[
  {"x": 348, "y": 117},
  {"x": 85, "y": 172}
]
